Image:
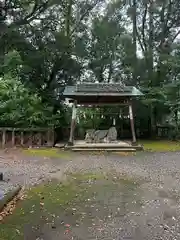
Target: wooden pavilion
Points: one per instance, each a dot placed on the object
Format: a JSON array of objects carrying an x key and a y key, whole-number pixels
[{"x": 96, "y": 95}]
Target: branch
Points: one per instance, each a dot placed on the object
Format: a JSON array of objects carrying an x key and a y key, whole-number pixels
[
  {"x": 110, "y": 71},
  {"x": 169, "y": 11},
  {"x": 140, "y": 42},
  {"x": 6, "y": 7},
  {"x": 143, "y": 27},
  {"x": 31, "y": 16},
  {"x": 84, "y": 15},
  {"x": 33, "y": 11},
  {"x": 176, "y": 35}
]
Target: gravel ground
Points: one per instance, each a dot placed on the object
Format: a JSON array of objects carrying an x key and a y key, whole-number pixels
[{"x": 158, "y": 216}]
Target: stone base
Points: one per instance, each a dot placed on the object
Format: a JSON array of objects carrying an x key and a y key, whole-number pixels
[
  {"x": 114, "y": 146},
  {"x": 134, "y": 144},
  {"x": 69, "y": 144}
]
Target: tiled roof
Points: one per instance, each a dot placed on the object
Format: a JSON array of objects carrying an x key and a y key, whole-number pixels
[{"x": 98, "y": 89}]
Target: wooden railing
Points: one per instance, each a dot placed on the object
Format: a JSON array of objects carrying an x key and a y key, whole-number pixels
[{"x": 26, "y": 137}]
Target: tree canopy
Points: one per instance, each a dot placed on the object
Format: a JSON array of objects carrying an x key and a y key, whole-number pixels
[{"x": 46, "y": 45}]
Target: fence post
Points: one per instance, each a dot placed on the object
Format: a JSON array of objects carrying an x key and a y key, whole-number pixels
[
  {"x": 22, "y": 138},
  {"x": 50, "y": 137},
  {"x": 40, "y": 139},
  {"x": 3, "y": 138},
  {"x": 13, "y": 137},
  {"x": 30, "y": 137}
]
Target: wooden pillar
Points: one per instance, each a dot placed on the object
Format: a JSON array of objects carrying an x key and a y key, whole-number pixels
[
  {"x": 73, "y": 123},
  {"x": 132, "y": 124},
  {"x": 13, "y": 138},
  {"x": 121, "y": 122}
]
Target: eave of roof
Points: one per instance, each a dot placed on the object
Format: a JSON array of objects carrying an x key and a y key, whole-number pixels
[{"x": 70, "y": 91}]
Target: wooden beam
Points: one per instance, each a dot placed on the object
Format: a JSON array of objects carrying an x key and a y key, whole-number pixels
[
  {"x": 24, "y": 129},
  {"x": 101, "y": 104},
  {"x": 73, "y": 123},
  {"x": 132, "y": 124}
]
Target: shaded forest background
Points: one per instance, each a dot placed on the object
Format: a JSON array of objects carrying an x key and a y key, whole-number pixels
[{"x": 48, "y": 44}]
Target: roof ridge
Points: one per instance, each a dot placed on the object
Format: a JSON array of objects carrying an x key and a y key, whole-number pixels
[{"x": 101, "y": 83}]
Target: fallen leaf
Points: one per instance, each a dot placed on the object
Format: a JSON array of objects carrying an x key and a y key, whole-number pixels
[
  {"x": 67, "y": 225},
  {"x": 17, "y": 230},
  {"x": 66, "y": 231}
]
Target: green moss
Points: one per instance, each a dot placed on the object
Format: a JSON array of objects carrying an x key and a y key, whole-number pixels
[
  {"x": 161, "y": 146},
  {"x": 81, "y": 177},
  {"x": 56, "y": 197},
  {"x": 53, "y": 195},
  {"x": 47, "y": 152}
]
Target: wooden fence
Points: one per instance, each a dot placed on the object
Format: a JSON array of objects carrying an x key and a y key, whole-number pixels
[{"x": 26, "y": 137}]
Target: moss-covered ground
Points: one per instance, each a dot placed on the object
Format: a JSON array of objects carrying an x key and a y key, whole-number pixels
[
  {"x": 160, "y": 145},
  {"x": 47, "y": 152},
  {"x": 55, "y": 209}
]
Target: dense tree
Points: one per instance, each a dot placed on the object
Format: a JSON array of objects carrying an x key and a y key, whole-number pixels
[
  {"x": 19, "y": 107},
  {"x": 48, "y": 44},
  {"x": 45, "y": 33}
]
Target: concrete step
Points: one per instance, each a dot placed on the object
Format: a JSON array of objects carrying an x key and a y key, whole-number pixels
[
  {"x": 99, "y": 147},
  {"x": 77, "y": 149}
]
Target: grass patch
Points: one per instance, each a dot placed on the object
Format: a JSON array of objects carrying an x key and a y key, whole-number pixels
[
  {"x": 161, "y": 146},
  {"x": 47, "y": 152},
  {"x": 58, "y": 197},
  {"x": 29, "y": 212},
  {"x": 81, "y": 177}
]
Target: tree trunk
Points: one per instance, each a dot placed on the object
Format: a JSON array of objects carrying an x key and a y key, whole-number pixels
[
  {"x": 68, "y": 17},
  {"x": 150, "y": 45},
  {"x": 134, "y": 21},
  {"x": 152, "y": 121},
  {"x": 150, "y": 58}
]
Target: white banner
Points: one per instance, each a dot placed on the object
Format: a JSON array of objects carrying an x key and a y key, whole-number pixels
[
  {"x": 74, "y": 111},
  {"x": 130, "y": 112}
]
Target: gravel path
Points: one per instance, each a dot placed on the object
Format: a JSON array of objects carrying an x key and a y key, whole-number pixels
[
  {"x": 157, "y": 218},
  {"x": 161, "y": 167}
]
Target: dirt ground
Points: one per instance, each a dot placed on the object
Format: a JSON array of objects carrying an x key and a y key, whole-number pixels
[{"x": 143, "y": 205}]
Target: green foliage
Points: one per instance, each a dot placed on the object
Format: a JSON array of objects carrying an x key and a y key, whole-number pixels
[
  {"x": 48, "y": 44},
  {"x": 20, "y": 107}
]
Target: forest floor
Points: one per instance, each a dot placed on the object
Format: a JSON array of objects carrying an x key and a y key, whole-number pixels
[{"x": 93, "y": 196}]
